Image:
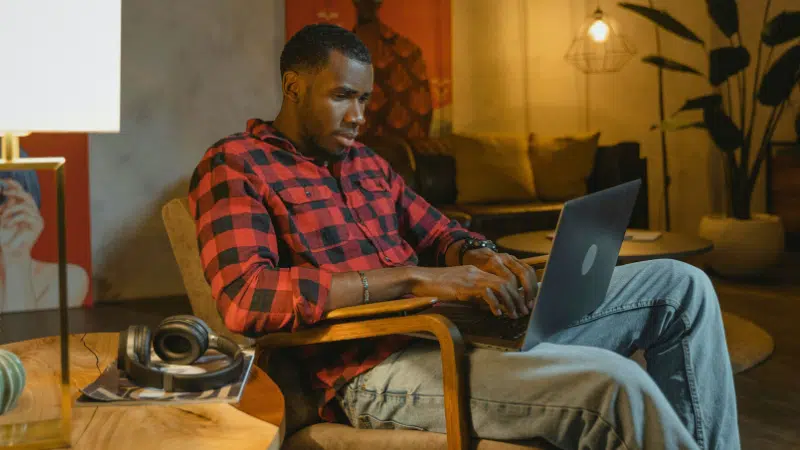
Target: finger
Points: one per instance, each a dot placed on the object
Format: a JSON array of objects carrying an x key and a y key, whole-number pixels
[
  {"x": 491, "y": 299},
  {"x": 11, "y": 184},
  {"x": 20, "y": 195},
  {"x": 20, "y": 209},
  {"x": 504, "y": 295},
  {"x": 527, "y": 278},
  {"x": 523, "y": 288},
  {"x": 499, "y": 265},
  {"x": 24, "y": 220}
]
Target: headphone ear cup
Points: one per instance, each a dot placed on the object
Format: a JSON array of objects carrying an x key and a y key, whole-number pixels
[
  {"x": 181, "y": 339},
  {"x": 122, "y": 347},
  {"x": 141, "y": 344}
]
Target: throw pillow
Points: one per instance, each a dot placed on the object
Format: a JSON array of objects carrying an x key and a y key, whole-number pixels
[
  {"x": 561, "y": 165},
  {"x": 491, "y": 168}
]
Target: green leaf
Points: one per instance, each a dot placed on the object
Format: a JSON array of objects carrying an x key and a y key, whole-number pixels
[
  {"x": 782, "y": 28},
  {"x": 777, "y": 83},
  {"x": 679, "y": 123},
  {"x": 702, "y": 102},
  {"x": 664, "y": 20},
  {"x": 725, "y": 134},
  {"x": 725, "y": 62},
  {"x": 669, "y": 64},
  {"x": 725, "y": 14}
]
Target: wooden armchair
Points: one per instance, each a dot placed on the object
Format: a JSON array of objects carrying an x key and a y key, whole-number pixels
[{"x": 355, "y": 322}]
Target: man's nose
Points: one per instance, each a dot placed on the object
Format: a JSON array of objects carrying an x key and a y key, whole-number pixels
[{"x": 355, "y": 113}]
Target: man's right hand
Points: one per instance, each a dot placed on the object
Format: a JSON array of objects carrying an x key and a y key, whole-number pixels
[{"x": 469, "y": 284}]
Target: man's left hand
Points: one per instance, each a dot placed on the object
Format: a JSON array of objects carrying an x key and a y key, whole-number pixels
[{"x": 520, "y": 276}]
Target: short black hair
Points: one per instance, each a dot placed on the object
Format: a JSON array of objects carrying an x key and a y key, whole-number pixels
[{"x": 310, "y": 47}]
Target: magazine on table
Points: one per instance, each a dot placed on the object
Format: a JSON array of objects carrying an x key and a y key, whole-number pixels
[{"x": 113, "y": 388}]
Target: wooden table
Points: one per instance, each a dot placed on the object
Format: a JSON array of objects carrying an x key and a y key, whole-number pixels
[
  {"x": 668, "y": 245},
  {"x": 254, "y": 423}
]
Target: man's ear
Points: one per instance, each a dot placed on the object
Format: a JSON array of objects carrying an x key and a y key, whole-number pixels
[{"x": 293, "y": 86}]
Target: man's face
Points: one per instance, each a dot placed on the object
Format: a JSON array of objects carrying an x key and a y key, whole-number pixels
[{"x": 333, "y": 106}]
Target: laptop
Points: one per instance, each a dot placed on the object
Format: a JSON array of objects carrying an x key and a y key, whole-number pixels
[{"x": 585, "y": 249}]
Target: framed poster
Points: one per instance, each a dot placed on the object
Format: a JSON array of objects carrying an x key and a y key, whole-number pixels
[
  {"x": 29, "y": 231},
  {"x": 409, "y": 41}
]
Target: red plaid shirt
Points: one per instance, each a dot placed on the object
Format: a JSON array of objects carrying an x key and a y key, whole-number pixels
[{"x": 272, "y": 227}]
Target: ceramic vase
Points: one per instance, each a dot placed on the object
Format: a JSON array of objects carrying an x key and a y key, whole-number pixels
[{"x": 12, "y": 380}]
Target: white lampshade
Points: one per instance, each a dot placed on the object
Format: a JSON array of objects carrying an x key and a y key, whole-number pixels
[{"x": 60, "y": 65}]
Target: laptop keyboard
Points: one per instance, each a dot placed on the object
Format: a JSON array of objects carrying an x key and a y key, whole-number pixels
[{"x": 485, "y": 324}]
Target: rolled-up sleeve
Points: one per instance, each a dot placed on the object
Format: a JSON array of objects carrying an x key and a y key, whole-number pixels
[{"x": 239, "y": 252}]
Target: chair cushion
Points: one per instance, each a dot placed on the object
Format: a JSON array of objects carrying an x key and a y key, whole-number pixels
[{"x": 329, "y": 436}]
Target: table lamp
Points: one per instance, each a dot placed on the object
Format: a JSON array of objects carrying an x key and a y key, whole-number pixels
[{"x": 60, "y": 73}]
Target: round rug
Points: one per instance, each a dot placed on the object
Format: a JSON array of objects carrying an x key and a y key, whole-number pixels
[{"x": 748, "y": 344}]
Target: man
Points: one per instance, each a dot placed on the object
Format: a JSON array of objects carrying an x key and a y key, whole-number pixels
[{"x": 296, "y": 218}]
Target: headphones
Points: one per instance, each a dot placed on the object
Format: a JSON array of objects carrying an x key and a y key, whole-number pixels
[{"x": 180, "y": 339}]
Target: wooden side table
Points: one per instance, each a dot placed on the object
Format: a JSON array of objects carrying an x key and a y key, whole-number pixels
[
  {"x": 668, "y": 245},
  {"x": 254, "y": 423}
]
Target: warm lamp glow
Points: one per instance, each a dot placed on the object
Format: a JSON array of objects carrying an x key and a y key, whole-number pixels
[{"x": 598, "y": 31}]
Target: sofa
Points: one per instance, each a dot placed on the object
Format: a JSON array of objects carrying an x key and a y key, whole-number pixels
[{"x": 526, "y": 200}]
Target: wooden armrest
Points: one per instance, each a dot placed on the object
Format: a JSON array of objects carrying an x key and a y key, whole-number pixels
[
  {"x": 378, "y": 308},
  {"x": 451, "y": 346}
]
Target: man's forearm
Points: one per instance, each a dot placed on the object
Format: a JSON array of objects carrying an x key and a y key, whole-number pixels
[{"x": 383, "y": 284}]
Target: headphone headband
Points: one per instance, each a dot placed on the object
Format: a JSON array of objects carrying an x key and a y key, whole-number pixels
[{"x": 134, "y": 356}]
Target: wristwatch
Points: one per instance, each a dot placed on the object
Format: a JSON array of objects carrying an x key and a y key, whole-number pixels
[{"x": 472, "y": 244}]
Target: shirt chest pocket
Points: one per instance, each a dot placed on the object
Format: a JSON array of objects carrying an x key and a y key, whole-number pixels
[
  {"x": 315, "y": 219},
  {"x": 378, "y": 208}
]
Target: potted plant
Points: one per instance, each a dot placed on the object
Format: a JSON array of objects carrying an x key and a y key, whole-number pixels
[{"x": 746, "y": 243}]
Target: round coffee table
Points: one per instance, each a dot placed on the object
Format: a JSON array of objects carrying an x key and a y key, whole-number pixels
[
  {"x": 668, "y": 245},
  {"x": 254, "y": 423}
]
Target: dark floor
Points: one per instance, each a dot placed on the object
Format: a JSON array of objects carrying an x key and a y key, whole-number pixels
[{"x": 769, "y": 394}]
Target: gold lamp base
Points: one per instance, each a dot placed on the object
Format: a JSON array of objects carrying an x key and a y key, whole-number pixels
[{"x": 54, "y": 433}]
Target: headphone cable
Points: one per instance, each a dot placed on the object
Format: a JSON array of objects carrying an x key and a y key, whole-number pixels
[{"x": 96, "y": 357}]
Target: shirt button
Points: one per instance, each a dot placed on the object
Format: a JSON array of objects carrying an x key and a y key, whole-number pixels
[{"x": 308, "y": 193}]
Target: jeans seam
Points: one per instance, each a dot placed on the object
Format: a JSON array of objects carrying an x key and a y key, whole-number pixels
[
  {"x": 472, "y": 399},
  {"x": 625, "y": 308},
  {"x": 698, "y": 419}
]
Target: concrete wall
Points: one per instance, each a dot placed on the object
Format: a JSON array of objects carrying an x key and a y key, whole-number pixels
[{"x": 193, "y": 71}]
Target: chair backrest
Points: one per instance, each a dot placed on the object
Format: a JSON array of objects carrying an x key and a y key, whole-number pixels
[{"x": 181, "y": 231}]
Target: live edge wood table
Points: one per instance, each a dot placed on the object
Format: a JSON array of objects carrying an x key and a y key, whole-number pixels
[{"x": 254, "y": 423}]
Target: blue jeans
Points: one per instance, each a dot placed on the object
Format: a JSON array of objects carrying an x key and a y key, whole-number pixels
[{"x": 580, "y": 389}]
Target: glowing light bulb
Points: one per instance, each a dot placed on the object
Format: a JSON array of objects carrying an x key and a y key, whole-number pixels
[{"x": 598, "y": 31}]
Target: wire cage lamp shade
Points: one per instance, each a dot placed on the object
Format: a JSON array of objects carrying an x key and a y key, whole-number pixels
[{"x": 599, "y": 46}]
